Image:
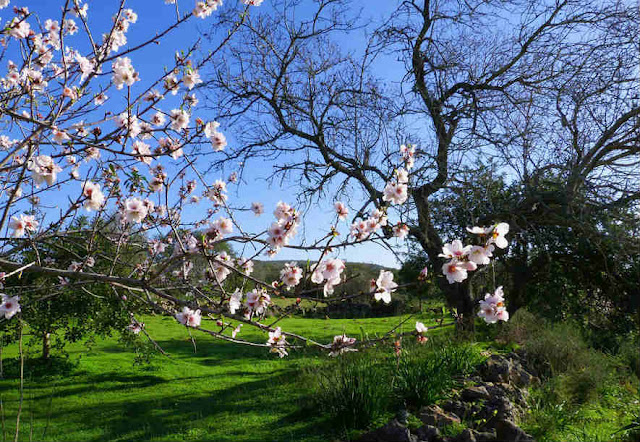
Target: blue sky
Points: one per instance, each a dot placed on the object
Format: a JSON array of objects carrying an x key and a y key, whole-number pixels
[{"x": 153, "y": 16}]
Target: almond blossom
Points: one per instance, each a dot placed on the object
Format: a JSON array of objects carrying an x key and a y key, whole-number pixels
[
  {"x": 191, "y": 79},
  {"x": 123, "y": 73},
  {"x": 10, "y": 306},
  {"x": 383, "y": 286},
  {"x": 341, "y": 210},
  {"x": 497, "y": 235},
  {"x": 179, "y": 119},
  {"x": 492, "y": 308},
  {"x": 291, "y": 275},
  {"x": 396, "y": 193},
  {"x": 21, "y": 224},
  {"x": 189, "y": 317},
  {"x": 257, "y": 301},
  {"x": 277, "y": 341},
  {"x": 456, "y": 271},
  {"x": 481, "y": 255},
  {"x": 342, "y": 344},
  {"x": 135, "y": 210},
  {"x": 420, "y": 330},
  {"x": 400, "y": 230},
  {"x": 455, "y": 250},
  {"x": 135, "y": 327},
  {"x": 95, "y": 197},
  {"x": 43, "y": 169},
  {"x": 235, "y": 301},
  {"x": 257, "y": 208}
]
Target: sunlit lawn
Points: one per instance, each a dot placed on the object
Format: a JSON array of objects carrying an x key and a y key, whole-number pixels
[{"x": 220, "y": 392}]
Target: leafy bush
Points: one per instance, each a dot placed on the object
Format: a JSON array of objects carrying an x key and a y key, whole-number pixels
[{"x": 629, "y": 354}]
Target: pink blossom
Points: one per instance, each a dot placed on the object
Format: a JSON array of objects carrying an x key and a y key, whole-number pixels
[
  {"x": 497, "y": 236},
  {"x": 455, "y": 250},
  {"x": 257, "y": 208},
  {"x": 10, "y": 305},
  {"x": 291, "y": 275},
  {"x": 341, "y": 344},
  {"x": 123, "y": 73},
  {"x": 179, "y": 119},
  {"x": 396, "y": 193},
  {"x": 492, "y": 308},
  {"x": 189, "y": 317},
  {"x": 277, "y": 341},
  {"x": 384, "y": 286},
  {"x": 400, "y": 230},
  {"x": 43, "y": 169},
  {"x": 135, "y": 210},
  {"x": 341, "y": 210},
  {"x": 95, "y": 197}
]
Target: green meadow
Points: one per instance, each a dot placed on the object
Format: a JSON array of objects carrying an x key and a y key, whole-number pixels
[{"x": 220, "y": 391}]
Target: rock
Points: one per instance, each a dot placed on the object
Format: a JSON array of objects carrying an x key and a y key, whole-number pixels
[
  {"x": 436, "y": 416},
  {"x": 507, "y": 431},
  {"x": 507, "y": 370},
  {"x": 428, "y": 433},
  {"x": 484, "y": 436},
  {"x": 471, "y": 394},
  {"x": 519, "y": 376},
  {"x": 495, "y": 369},
  {"x": 394, "y": 431},
  {"x": 466, "y": 436},
  {"x": 458, "y": 408}
]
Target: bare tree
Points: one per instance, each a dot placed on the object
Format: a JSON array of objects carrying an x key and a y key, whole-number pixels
[{"x": 538, "y": 87}]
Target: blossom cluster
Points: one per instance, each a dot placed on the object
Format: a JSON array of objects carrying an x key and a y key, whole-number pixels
[
  {"x": 492, "y": 308},
  {"x": 285, "y": 227},
  {"x": 463, "y": 259},
  {"x": 328, "y": 271},
  {"x": 383, "y": 286}
]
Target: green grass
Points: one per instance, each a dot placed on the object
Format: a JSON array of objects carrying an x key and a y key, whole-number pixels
[{"x": 221, "y": 392}]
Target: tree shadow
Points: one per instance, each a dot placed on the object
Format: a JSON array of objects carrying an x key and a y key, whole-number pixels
[{"x": 204, "y": 415}]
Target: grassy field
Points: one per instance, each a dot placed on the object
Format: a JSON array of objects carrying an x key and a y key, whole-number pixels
[{"x": 220, "y": 392}]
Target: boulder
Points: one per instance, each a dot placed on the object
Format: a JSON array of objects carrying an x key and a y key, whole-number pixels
[
  {"x": 507, "y": 431},
  {"x": 428, "y": 433},
  {"x": 495, "y": 369},
  {"x": 458, "y": 408},
  {"x": 436, "y": 416},
  {"x": 466, "y": 436},
  {"x": 471, "y": 394},
  {"x": 394, "y": 431},
  {"x": 484, "y": 436}
]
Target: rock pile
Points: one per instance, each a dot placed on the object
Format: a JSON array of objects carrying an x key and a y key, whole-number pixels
[{"x": 493, "y": 404}]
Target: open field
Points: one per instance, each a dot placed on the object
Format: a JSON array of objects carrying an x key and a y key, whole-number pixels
[{"x": 221, "y": 392}]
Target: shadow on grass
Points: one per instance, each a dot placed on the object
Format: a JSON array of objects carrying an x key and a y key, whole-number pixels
[{"x": 203, "y": 415}]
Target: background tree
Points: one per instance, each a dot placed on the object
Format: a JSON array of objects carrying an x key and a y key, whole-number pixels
[{"x": 551, "y": 94}]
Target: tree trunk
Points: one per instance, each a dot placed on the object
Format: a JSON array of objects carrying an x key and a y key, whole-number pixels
[
  {"x": 46, "y": 345},
  {"x": 458, "y": 295}
]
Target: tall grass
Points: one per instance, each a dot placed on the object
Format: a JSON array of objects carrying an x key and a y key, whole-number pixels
[
  {"x": 359, "y": 389},
  {"x": 426, "y": 374},
  {"x": 356, "y": 389}
]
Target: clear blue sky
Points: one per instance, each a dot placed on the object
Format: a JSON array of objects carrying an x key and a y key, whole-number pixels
[{"x": 153, "y": 16}]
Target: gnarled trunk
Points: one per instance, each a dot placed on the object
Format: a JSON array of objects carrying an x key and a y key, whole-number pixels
[{"x": 458, "y": 295}]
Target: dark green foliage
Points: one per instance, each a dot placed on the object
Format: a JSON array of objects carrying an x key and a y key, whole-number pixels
[{"x": 585, "y": 394}]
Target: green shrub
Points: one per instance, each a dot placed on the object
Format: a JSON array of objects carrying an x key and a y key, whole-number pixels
[
  {"x": 358, "y": 389},
  {"x": 426, "y": 373},
  {"x": 355, "y": 390},
  {"x": 629, "y": 354}
]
